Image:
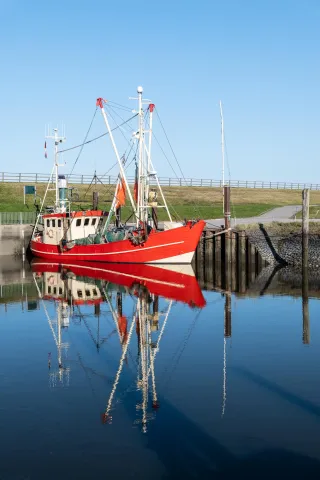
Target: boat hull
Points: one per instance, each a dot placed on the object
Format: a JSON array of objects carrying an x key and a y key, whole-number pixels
[{"x": 171, "y": 246}]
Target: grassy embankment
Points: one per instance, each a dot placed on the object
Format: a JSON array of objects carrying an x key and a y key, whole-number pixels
[
  {"x": 314, "y": 212},
  {"x": 187, "y": 202}
]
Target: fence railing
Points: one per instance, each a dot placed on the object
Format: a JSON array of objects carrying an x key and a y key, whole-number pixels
[
  {"x": 164, "y": 181},
  {"x": 17, "y": 218}
]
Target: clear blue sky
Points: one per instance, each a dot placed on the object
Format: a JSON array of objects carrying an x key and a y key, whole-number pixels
[{"x": 261, "y": 58}]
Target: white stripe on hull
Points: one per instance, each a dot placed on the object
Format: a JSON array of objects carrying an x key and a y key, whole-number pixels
[{"x": 183, "y": 258}]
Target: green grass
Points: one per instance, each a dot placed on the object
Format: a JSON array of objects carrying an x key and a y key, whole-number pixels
[
  {"x": 184, "y": 202},
  {"x": 314, "y": 212}
]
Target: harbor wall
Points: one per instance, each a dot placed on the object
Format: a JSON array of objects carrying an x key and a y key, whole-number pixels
[
  {"x": 285, "y": 247},
  {"x": 14, "y": 240}
]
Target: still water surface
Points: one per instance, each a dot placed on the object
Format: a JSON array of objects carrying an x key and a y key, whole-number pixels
[{"x": 101, "y": 379}]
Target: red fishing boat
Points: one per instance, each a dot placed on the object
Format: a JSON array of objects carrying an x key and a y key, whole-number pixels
[{"x": 64, "y": 235}]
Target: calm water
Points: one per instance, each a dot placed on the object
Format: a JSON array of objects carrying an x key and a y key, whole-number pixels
[{"x": 105, "y": 381}]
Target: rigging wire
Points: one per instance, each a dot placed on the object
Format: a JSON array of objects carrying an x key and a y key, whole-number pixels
[
  {"x": 195, "y": 206},
  {"x": 118, "y": 105},
  {"x": 85, "y": 138},
  {"x": 97, "y": 138}
]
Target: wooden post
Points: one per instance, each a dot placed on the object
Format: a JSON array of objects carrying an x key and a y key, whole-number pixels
[
  {"x": 305, "y": 211},
  {"x": 226, "y": 206},
  {"x": 209, "y": 260},
  {"x": 233, "y": 247},
  {"x": 234, "y": 239},
  {"x": 217, "y": 248},
  {"x": 217, "y": 261},
  {"x": 251, "y": 262},
  {"x": 242, "y": 262},
  {"x": 95, "y": 200}
]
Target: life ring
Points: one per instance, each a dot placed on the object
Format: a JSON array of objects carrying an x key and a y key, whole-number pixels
[
  {"x": 50, "y": 233},
  {"x": 51, "y": 280}
]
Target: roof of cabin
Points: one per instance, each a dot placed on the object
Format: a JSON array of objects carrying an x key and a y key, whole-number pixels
[{"x": 87, "y": 213}]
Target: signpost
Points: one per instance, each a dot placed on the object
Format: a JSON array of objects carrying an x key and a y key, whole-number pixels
[{"x": 28, "y": 190}]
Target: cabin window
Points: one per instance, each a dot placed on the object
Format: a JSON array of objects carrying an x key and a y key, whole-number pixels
[
  {"x": 94, "y": 291},
  {"x": 60, "y": 291},
  {"x": 48, "y": 223},
  {"x": 59, "y": 223},
  {"x": 79, "y": 293},
  {"x": 86, "y": 222},
  {"x": 93, "y": 221},
  {"x": 78, "y": 222},
  {"x": 53, "y": 223},
  {"x": 54, "y": 290},
  {"x": 49, "y": 289}
]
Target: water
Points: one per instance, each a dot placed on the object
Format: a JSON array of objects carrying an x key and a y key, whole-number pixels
[{"x": 79, "y": 399}]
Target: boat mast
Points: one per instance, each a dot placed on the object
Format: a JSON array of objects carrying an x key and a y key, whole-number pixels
[
  {"x": 142, "y": 173},
  {"x": 222, "y": 151},
  {"x": 100, "y": 102}
]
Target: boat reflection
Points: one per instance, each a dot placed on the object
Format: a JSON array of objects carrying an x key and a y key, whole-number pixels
[{"x": 71, "y": 287}]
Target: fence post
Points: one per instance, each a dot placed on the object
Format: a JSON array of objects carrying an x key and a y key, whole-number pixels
[{"x": 169, "y": 182}]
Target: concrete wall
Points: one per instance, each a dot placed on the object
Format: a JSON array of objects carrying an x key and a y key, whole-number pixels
[{"x": 13, "y": 238}]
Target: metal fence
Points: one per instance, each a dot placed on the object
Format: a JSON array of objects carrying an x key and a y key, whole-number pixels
[
  {"x": 164, "y": 181},
  {"x": 17, "y": 218}
]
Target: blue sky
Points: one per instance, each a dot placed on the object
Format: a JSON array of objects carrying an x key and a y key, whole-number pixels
[{"x": 261, "y": 58}]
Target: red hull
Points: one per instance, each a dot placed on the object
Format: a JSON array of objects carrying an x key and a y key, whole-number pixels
[
  {"x": 174, "y": 285},
  {"x": 171, "y": 246}
]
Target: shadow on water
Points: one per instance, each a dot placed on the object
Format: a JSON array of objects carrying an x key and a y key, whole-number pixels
[
  {"x": 282, "y": 392},
  {"x": 187, "y": 451}
]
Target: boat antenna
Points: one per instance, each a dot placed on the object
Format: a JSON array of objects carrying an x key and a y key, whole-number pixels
[{"x": 57, "y": 141}]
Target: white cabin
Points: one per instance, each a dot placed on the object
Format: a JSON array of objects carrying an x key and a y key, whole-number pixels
[{"x": 81, "y": 224}]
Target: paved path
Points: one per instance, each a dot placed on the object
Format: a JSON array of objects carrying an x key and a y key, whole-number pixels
[{"x": 279, "y": 214}]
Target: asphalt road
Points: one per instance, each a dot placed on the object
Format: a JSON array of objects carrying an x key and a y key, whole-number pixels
[{"x": 279, "y": 214}]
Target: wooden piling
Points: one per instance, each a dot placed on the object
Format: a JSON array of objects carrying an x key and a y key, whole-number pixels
[
  {"x": 251, "y": 262},
  {"x": 217, "y": 261},
  {"x": 242, "y": 262},
  {"x": 209, "y": 260},
  {"x": 305, "y": 211},
  {"x": 95, "y": 200},
  {"x": 234, "y": 249}
]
